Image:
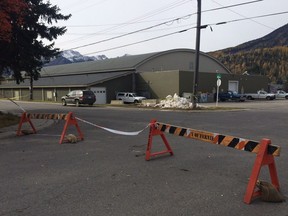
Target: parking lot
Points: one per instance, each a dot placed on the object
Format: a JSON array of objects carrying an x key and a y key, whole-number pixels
[{"x": 106, "y": 173}]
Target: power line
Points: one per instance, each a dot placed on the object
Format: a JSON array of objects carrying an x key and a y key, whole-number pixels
[
  {"x": 244, "y": 16},
  {"x": 161, "y": 10},
  {"x": 184, "y": 30},
  {"x": 163, "y": 23},
  {"x": 92, "y": 5},
  {"x": 137, "y": 22},
  {"x": 133, "y": 32},
  {"x": 147, "y": 15},
  {"x": 147, "y": 31},
  {"x": 115, "y": 24},
  {"x": 235, "y": 5},
  {"x": 146, "y": 40},
  {"x": 248, "y": 18}
]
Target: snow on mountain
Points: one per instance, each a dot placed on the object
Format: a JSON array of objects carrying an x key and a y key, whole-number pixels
[
  {"x": 69, "y": 54},
  {"x": 72, "y": 56}
]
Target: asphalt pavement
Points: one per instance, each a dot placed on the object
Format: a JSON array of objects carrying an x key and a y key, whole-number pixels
[
  {"x": 106, "y": 173},
  {"x": 39, "y": 124}
]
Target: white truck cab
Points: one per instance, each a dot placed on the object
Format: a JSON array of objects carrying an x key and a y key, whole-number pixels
[
  {"x": 129, "y": 97},
  {"x": 281, "y": 94}
]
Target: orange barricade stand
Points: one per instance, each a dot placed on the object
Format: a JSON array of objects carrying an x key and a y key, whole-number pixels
[
  {"x": 24, "y": 119},
  {"x": 70, "y": 120},
  {"x": 262, "y": 159},
  {"x": 154, "y": 132},
  {"x": 264, "y": 149}
]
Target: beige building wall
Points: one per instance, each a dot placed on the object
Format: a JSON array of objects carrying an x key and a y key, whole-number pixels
[
  {"x": 159, "y": 83},
  {"x": 163, "y": 83}
]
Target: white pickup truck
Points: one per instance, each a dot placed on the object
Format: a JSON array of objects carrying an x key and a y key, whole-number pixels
[
  {"x": 260, "y": 95},
  {"x": 281, "y": 94},
  {"x": 129, "y": 97}
]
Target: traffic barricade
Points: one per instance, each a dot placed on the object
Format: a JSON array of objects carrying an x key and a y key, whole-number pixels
[
  {"x": 264, "y": 149},
  {"x": 69, "y": 118}
]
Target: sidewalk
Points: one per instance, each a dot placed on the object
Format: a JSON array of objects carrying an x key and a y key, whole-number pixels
[{"x": 39, "y": 124}]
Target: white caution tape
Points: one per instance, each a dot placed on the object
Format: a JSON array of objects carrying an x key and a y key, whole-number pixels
[
  {"x": 135, "y": 133},
  {"x": 16, "y": 104}
]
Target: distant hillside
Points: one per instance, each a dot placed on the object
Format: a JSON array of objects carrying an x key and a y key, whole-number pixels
[
  {"x": 264, "y": 56},
  {"x": 71, "y": 56}
]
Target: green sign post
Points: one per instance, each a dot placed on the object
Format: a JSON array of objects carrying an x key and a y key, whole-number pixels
[{"x": 218, "y": 84}]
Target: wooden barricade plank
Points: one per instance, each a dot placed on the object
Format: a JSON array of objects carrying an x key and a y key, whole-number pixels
[
  {"x": 216, "y": 138},
  {"x": 53, "y": 116},
  {"x": 69, "y": 118}
]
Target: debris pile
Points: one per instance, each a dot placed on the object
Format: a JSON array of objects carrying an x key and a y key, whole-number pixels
[
  {"x": 171, "y": 102},
  {"x": 175, "y": 102}
]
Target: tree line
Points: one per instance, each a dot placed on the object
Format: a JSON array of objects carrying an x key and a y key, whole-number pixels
[{"x": 270, "y": 62}]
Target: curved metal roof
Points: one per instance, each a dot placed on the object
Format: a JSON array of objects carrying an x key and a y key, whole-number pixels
[
  {"x": 86, "y": 73},
  {"x": 78, "y": 80},
  {"x": 124, "y": 63}
]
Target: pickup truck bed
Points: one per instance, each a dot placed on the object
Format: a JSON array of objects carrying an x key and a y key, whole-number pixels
[{"x": 260, "y": 95}]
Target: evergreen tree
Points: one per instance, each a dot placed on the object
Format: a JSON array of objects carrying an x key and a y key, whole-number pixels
[{"x": 24, "y": 50}]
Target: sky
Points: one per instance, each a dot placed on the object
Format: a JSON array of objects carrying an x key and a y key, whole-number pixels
[{"x": 119, "y": 27}]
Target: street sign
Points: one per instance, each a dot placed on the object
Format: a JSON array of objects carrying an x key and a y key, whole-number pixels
[{"x": 218, "y": 82}]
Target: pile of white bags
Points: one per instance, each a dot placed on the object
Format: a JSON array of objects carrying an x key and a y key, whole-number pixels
[{"x": 175, "y": 102}]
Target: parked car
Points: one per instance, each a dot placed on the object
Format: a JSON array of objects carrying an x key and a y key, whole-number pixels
[
  {"x": 78, "y": 97},
  {"x": 230, "y": 96},
  {"x": 129, "y": 97},
  {"x": 260, "y": 95},
  {"x": 281, "y": 94}
]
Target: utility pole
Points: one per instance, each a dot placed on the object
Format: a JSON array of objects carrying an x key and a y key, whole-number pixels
[
  {"x": 197, "y": 50},
  {"x": 31, "y": 88}
]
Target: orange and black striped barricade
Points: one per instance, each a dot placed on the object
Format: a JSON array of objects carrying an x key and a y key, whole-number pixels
[
  {"x": 69, "y": 118},
  {"x": 264, "y": 149}
]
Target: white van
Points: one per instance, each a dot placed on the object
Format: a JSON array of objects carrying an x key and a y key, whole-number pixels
[{"x": 129, "y": 97}]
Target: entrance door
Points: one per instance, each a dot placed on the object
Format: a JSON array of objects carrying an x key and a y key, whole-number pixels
[
  {"x": 100, "y": 93},
  {"x": 233, "y": 85},
  {"x": 16, "y": 95}
]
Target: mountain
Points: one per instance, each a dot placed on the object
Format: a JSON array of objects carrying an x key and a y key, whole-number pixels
[
  {"x": 267, "y": 56},
  {"x": 277, "y": 38},
  {"x": 65, "y": 57},
  {"x": 71, "y": 56}
]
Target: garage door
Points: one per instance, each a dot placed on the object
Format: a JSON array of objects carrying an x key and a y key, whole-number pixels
[{"x": 100, "y": 93}]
